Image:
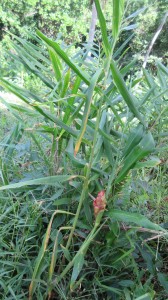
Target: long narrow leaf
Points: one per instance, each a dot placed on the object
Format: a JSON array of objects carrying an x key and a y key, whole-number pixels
[
  {"x": 145, "y": 147},
  {"x": 39, "y": 260},
  {"x": 71, "y": 99},
  {"x": 18, "y": 92},
  {"x": 65, "y": 58},
  {"x": 103, "y": 28},
  {"x": 118, "y": 8},
  {"x": 66, "y": 83},
  {"x": 51, "y": 180},
  {"x": 136, "y": 218},
  {"x": 89, "y": 96},
  {"x": 127, "y": 96},
  {"x": 78, "y": 265},
  {"x": 55, "y": 63},
  {"x": 133, "y": 139}
]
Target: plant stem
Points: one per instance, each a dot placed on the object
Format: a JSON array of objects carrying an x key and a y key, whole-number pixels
[
  {"x": 84, "y": 247},
  {"x": 86, "y": 181}
]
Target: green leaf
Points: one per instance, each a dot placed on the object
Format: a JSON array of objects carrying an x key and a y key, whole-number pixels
[
  {"x": 30, "y": 63},
  {"x": 65, "y": 58},
  {"x": 122, "y": 88},
  {"x": 145, "y": 147},
  {"x": 66, "y": 83},
  {"x": 126, "y": 253},
  {"x": 162, "y": 68},
  {"x": 89, "y": 96},
  {"x": 150, "y": 81},
  {"x": 118, "y": 9},
  {"x": 108, "y": 288},
  {"x": 119, "y": 50},
  {"x": 103, "y": 28},
  {"x": 38, "y": 265},
  {"x": 39, "y": 261},
  {"x": 163, "y": 279},
  {"x": 10, "y": 108},
  {"x": 51, "y": 180},
  {"x": 133, "y": 139},
  {"x": 55, "y": 63},
  {"x": 62, "y": 201},
  {"x": 78, "y": 162},
  {"x": 72, "y": 99},
  {"x": 136, "y": 13},
  {"x": 78, "y": 265},
  {"x": 19, "y": 93},
  {"x": 150, "y": 163},
  {"x": 147, "y": 296},
  {"x": 36, "y": 51},
  {"x": 128, "y": 217}
]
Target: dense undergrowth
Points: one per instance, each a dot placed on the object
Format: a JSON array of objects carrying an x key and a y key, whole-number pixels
[{"x": 83, "y": 132}]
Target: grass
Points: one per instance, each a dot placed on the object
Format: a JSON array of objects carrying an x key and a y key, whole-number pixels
[
  {"x": 26, "y": 214},
  {"x": 6, "y": 122},
  {"x": 83, "y": 177}
]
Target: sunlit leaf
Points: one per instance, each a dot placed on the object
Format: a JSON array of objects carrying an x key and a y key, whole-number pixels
[
  {"x": 65, "y": 58},
  {"x": 103, "y": 28},
  {"x": 118, "y": 9}
]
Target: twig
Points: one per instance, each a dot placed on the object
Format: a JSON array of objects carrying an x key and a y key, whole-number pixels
[
  {"x": 141, "y": 229},
  {"x": 158, "y": 31},
  {"x": 154, "y": 237}
]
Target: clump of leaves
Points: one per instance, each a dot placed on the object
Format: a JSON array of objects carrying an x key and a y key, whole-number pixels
[{"x": 95, "y": 130}]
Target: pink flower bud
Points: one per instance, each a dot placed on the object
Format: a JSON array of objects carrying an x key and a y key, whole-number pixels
[{"x": 99, "y": 203}]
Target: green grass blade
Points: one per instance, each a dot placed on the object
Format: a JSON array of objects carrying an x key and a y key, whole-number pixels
[
  {"x": 150, "y": 81},
  {"x": 80, "y": 163},
  {"x": 150, "y": 163},
  {"x": 39, "y": 260},
  {"x": 55, "y": 252},
  {"x": 41, "y": 150},
  {"x": 29, "y": 59},
  {"x": 38, "y": 265}
]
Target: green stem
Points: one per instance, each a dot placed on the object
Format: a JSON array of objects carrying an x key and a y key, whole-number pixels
[
  {"x": 85, "y": 185},
  {"x": 54, "y": 154},
  {"x": 84, "y": 247}
]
